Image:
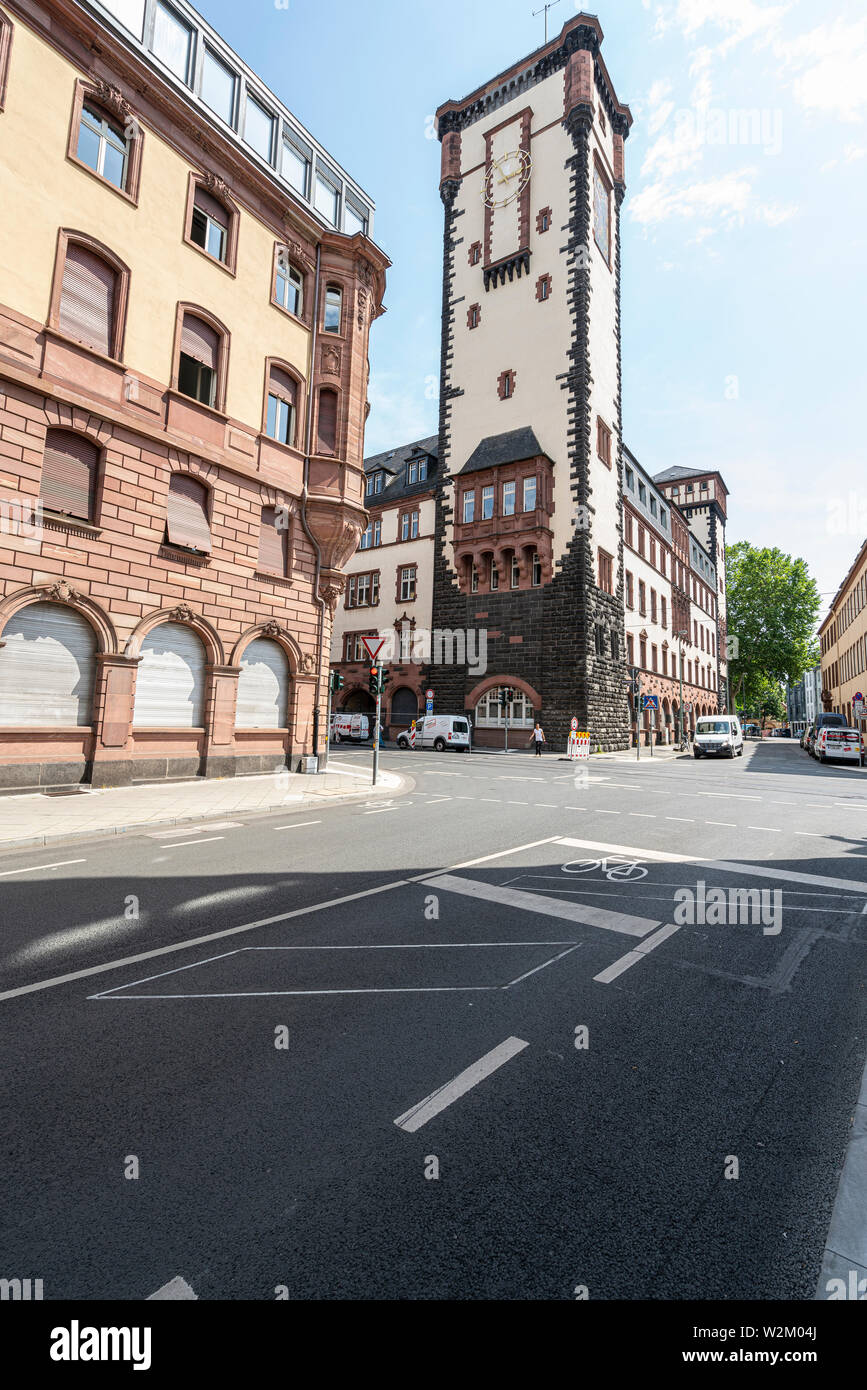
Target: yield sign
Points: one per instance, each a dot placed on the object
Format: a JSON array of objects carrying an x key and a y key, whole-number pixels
[{"x": 373, "y": 646}]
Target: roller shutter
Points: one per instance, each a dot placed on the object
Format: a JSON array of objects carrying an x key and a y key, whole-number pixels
[
  {"x": 170, "y": 683},
  {"x": 327, "y": 428},
  {"x": 47, "y": 668},
  {"x": 273, "y": 543},
  {"x": 263, "y": 687},
  {"x": 87, "y": 298},
  {"x": 215, "y": 210},
  {"x": 200, "y": 341},
  {"x": 68, "y": 474},
  {"x": 187, "y": 513}
]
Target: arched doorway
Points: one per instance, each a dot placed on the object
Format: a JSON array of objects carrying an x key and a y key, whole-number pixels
[
  {"x": 170, "y": 682},
  {"x": 404, "y": 707},
  {"x": 359, "y": 702},
  {"x": 263, "y": 686}
]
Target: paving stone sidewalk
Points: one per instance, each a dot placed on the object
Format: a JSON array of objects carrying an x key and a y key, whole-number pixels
[{"x": 34, "y": 819}]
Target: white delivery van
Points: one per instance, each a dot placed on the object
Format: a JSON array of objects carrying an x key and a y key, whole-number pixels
[
  {"x": 834, "y": 742},
  {"x": 718, "y": 736},
  {"x": 353, "y": 727},
  {"x": 439, "y": 731}
]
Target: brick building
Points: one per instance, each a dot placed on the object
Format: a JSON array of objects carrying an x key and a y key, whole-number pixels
[
  {"x": 186, "y": 292},
  {"x": 843, "y": 642}
]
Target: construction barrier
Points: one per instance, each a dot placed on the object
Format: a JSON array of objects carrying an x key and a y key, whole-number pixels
[{"x": 579, "y": 746}]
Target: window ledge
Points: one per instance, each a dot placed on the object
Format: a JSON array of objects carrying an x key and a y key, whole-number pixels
[
  {"x": 185, "y": 557},
  {"x": 264, "y": 577},
  {"x": 296, "y": 318},
  {"x": 58, "y": 521},
  {"x": 214, "y": 410},
  {"x": 54, "y": 332}
]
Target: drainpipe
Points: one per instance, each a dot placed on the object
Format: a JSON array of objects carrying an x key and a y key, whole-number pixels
[{"x": 307, "y": 451}]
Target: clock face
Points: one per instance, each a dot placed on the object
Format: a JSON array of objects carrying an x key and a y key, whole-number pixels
[{"x": 506, "y": 178}]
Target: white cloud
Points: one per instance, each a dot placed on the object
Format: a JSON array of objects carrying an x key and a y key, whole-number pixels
[
  {"x": 829, "y": 67},
  {"x": 775, "y": 214},
  {"x": 740, "y": 19},
  {"x": 850, "y": 153},
  {"x": 398, "y": 416},
  {"x": 726, "y": 198}
]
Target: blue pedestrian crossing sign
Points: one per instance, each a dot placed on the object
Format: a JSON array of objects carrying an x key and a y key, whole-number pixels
[{"x": 650, "y": 702}]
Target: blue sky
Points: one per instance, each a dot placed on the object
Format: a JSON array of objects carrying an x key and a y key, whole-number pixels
[{"x": 743, "y": 239}]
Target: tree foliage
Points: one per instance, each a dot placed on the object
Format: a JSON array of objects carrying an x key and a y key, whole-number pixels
[{"x": 772, "y": 607}]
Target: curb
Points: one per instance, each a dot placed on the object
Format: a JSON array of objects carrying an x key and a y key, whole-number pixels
[
  {"x": 310, "y": 802},
  {"x": 845, "y": 1258}
]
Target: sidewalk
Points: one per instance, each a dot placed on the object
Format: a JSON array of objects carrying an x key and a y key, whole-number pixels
[{"x": 34, "y": 819}]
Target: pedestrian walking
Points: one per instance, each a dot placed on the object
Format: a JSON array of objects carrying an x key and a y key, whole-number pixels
[{"x": 538, "y": 738}]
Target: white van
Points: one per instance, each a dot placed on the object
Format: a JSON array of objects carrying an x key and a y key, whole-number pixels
[
  {"x": 718, "y": 736},
  {"x": 354, "y": 727},
  {"x": 439, "y": 731}
]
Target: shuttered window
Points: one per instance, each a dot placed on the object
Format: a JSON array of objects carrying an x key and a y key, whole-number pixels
[
  {"x": 273, "y": 543},
  {"x": 87, "y": 299},
  {"x": 187, "y": 513},
  {"x": 263, "y": 687},
  {"x": 47, "y": 668},
  {"x": 69, "y": 469},
  {"x": 210, "y": 224},
  {"x": 327, "y": 422},
  {"x": 282, "y": 394},
  {"x": 199, "y": 356},
  {"x": 170, "y": 680}
]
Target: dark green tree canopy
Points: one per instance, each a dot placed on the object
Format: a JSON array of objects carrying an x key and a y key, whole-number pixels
[{"x": 772, "y": 606}]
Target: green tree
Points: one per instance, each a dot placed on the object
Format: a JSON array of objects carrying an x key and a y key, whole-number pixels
[{"x": 772, "y": 607}]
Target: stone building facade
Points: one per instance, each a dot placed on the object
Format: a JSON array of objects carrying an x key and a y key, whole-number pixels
[
  {"x": 186, "y": 293},
  {"x": 843, "y": 642}
]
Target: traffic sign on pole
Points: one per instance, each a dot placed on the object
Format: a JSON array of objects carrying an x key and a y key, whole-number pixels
[{"x": 373, "y": 646}]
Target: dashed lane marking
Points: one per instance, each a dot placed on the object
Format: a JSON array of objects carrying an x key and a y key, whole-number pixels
[
  {"x": 633, "y": 957},
  {"x": 443, "y": 1096},
  {"x": 34, "y": 868},
  {"x": 182, "y": 844},
  {"x": 296, "y": 825}
]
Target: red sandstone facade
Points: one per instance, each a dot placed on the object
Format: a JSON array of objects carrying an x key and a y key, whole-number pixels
[{"x": 117, "y": 567}]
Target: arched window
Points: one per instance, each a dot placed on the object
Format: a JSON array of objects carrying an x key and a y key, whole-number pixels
[
  {"x": 288, "y": 284},
  {"x": 202, "y": 352},
  {"x": 69, "y": 472},
  {"x": 491, "y": 713},
  {"x": 263, "y": 687},
  {"x": 282, "y": 406},
  {"x": 187, "y": 513},
  {"x": 333, "y": 307},
  {"x": 88, "y": 300},
  {"x": 327, "y": 427},
  {"x": 47, "y": 668},
  {"x": 210, "y": 224},
  {"x": 5, "y": 47},
  {"x": 170, "y": 679}
]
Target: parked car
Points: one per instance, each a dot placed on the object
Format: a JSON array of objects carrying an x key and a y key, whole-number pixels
[
  {"x": 439, "y": 731},
  {"x": 718, "y": 735},
  {"x": 825, "y": 720},
  {"x": 834, "y": 742},
  {"x": 353, "y": 727}
]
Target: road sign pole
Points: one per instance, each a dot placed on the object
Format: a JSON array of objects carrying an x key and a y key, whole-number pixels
[
  {"x": 637, "y": 698},
  {"x": 376, "y": 724},
  {"x": 328, "y": 723}
]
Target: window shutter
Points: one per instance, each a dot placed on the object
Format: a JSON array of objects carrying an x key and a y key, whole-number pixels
[
  {"x": 187, "y": 513},
  {"x": 282, "y": 384},
  {"x": 200, "y": 341},
  {"x": 170, "y": 680},
  {"x": 263, "y": 687},
  {"x": 273, "y": 544},
  {"x": 87, "y": 298},
  {"x": 47, "y": 668},
  {"x": 215, "y": 210},
  {"x": 68, "y": 474},
  {"x": 327, "y": 422}
]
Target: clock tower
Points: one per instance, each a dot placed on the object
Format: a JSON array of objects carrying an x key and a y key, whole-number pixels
[{"x": 529, "y": 505}]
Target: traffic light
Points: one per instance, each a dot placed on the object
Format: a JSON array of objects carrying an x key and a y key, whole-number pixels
[
  {"x": 336, "y": 682},
  {"x": 506, "y": 697},
  {"x": 373, "y": 682}
]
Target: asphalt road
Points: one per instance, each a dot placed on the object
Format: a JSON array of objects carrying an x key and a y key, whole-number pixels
[{"x": 339, "y": 1049}]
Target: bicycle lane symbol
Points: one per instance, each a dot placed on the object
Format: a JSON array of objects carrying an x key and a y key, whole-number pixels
[{"x": 614, "y": 870}]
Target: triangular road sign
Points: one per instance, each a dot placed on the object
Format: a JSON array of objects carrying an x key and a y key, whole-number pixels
[{"x": 373, "y": 646}]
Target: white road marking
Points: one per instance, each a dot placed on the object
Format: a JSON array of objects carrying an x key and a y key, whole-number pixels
[
  {"x": 296, "y": 825},
  {"x": 772, "y": 830},
  {"x": 813, "y": 834},
  {"x": 729, "y": 796},
  {"x": 643, "y": 815},
  {"x": 547, "y": 805},
  {"x": 168, "y": 834},
  {"x": 574, "y": 808},
  {"x": 176, "y": 1288},
  {"x": 546, "y": 963},
  {"x": 633, "y": 957},
  {"x": 601, "y": 812},
  {"x": 688, "y": 820},
  {"x": 435, "y": 799},
  {"x": 729, "y": 824},
  {"x": 438, "y": 1100},
  {"x": 517, "y": 898},
  {"x": 181, "y": 844},
  {"x": 34, "y": 868},
  {"x": 725, "y": 866},
  {"x": 38, "y": 985}
]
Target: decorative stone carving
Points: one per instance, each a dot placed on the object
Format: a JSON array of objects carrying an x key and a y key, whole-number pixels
[
  {"x": 361, "y": 299},
  {"x": 330, "y": 590},
  {"x": 308, "y": 663},
  {"x": 272, "y": 629},
  {"x": 331, "y": 360},
  {"x": 113, "y": 99},
  {"x": 182, "y": 614},
  {"x": 62, "y": 592},
  {"x": 365, "y": 273},
  {"x": 215, "y": 185}
]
